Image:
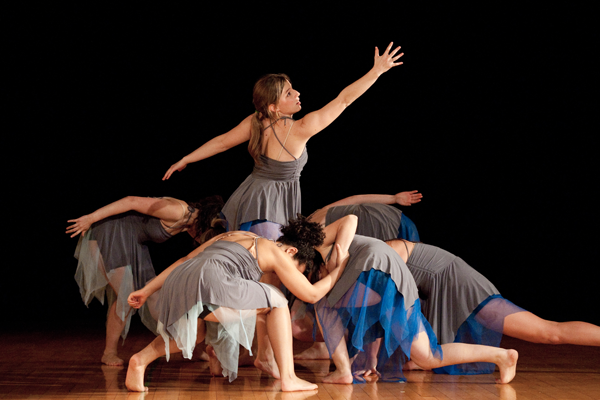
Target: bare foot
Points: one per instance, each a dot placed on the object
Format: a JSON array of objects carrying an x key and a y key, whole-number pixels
[
  {"x": 507, "y": 366},
  {"x": 318, "y": 351},
  {"x": 295, "y": 384},
  {"x": 135, "y": 375},
  {"x": 213, "y": 362},
  {"x": 344, "y": 378},
  {"x": 201, "y": 356},
  {"x": 412, "y": 366},
  {"x": 270, "y": 367},
  {"x": 111, "y": 359}
]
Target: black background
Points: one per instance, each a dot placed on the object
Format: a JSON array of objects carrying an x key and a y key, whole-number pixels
[{"x": 493, "y": 117}]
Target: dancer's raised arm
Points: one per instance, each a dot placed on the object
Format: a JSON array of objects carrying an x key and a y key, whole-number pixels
[
  {"x": 316, "y": 121},
  {"x": 219, "y": 144},
  {"x": 166, "y": 209},
  {"x": 402, "y": 198}
]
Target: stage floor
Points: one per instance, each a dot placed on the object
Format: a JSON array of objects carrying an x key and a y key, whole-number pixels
[{"x": 63, "y": 362}]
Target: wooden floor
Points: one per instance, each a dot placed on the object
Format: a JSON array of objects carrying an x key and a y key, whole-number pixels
[{"x": 62, "y": 362}]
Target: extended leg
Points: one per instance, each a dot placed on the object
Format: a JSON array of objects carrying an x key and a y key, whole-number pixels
[{"x": 528, "y": 326}]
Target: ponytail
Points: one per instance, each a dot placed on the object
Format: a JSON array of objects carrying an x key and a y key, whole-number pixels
[{"x": 267, "y": 91}]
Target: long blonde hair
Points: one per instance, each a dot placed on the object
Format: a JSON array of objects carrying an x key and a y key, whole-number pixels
[{"x": 267, "y": 91}]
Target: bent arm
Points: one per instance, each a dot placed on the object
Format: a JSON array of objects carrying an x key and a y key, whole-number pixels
[
  {"x": 294, "y": 281},
  {"x": 219, "y": 144},
  {"x": 138, "y": 298},
  {"x": 316, "y": 121},
  {"x": 168, "y": 210}
]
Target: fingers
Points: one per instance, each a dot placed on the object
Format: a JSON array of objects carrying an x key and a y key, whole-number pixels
[
  {"x": 387, "y": 51},
  {"x": 167, "y": 175}
]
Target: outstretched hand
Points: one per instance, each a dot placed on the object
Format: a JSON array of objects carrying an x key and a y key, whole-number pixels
[
  {"x": 178, "y": 166},
  {"x": 137, "y": 299},
  {"x": 408, "y": 198},
  {"x": 80, "y": 226},
  {"x": 387, "y": 60}
]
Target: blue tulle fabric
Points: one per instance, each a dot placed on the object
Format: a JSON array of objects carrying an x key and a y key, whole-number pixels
[
  {"x": 408, "y": 229},
  {"x": 484, "y": 326},
  {"x": 373, "y": 309},
  {"x": 263, "y": 228}
]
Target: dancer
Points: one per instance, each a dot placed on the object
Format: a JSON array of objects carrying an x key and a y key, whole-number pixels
[
  {"x": 270, "y": 196},
  {"x": 460, "y": 303},
  {"x": 380, "y": 219},
  {"x": 373, "y": 316},
  {"x": 218, "y": 283},
  {"x": 113, "y": 258},
  {"x": 464, "y": 306}
]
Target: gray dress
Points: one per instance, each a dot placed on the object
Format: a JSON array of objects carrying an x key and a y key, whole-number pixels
[
  {"x": 271, "y": 192},
  {"x": 460, "y": 304},
  {"x": 375, "y": 297},
  {"x": 366, "y": 254},
  {"x": 112, "y": 255},
  {"x": 374, "y": 220},
  {"x": 223, "y": 280},
  {"x": 449, "y": 288}
]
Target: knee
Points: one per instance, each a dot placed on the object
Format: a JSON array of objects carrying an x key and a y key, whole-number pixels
[{"x": 423, "y": 360}]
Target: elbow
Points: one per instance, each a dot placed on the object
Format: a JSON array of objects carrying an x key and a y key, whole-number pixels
[
  {"x": 352, "y": 220},
  {"x": 311, "y": 298}
]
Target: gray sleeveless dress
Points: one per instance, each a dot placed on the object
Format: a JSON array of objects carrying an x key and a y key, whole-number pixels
[
  {"x": 460, "y": 304},
  {"x": 271, "y": 192},
  {"x": 223, "y": 279},
  {"x": 375, "y": 297},
  {"x": 112, "y": 254},
  {"x": 374, "y": 220},
  {"x": 366, "y": 254}
]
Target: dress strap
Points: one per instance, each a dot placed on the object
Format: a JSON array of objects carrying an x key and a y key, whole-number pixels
[
  {"x": 406, "y": 246},
  {"x": 328, "y": 256},
  {"x": 286, "y": 137},
  {"x": 180, "y": 223},
  {"x": 284, "y": 142},
  {"x": 250, "y": 234}
]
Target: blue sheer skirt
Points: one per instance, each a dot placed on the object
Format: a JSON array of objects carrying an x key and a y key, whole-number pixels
[
  {"x": 408, "y": 229},
  {"x": 484, "y": 326},
  {"x": 263, "y": 228},
  {"x": 377, "y": 327}
]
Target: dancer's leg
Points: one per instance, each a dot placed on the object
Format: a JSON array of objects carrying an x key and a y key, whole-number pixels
[
  {"x": 114, "y": 324},
  {"x": 265, "y": 360},
  {"x": 459, "y": 353},
  {"x": 114, "y": 327},
  {"x": 528, "y": 326},
  {"x": 341, "y": 359},
  {"x": 279, "y": 327},
  {"x": 139, "y": 361}
]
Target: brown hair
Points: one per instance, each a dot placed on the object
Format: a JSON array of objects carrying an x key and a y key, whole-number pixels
[
  {"x": 267, "y": 91},
  {"x": 209, "y": 222}
]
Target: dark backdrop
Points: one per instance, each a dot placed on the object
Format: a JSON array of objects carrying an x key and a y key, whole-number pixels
[{"x": 491, "y": 117}]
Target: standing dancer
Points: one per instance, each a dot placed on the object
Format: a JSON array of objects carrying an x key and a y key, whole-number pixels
[
  {"x": 270, "y": 196},
  {"x": 113, "y": 258},
  {"x": 219, "y": 283}
]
